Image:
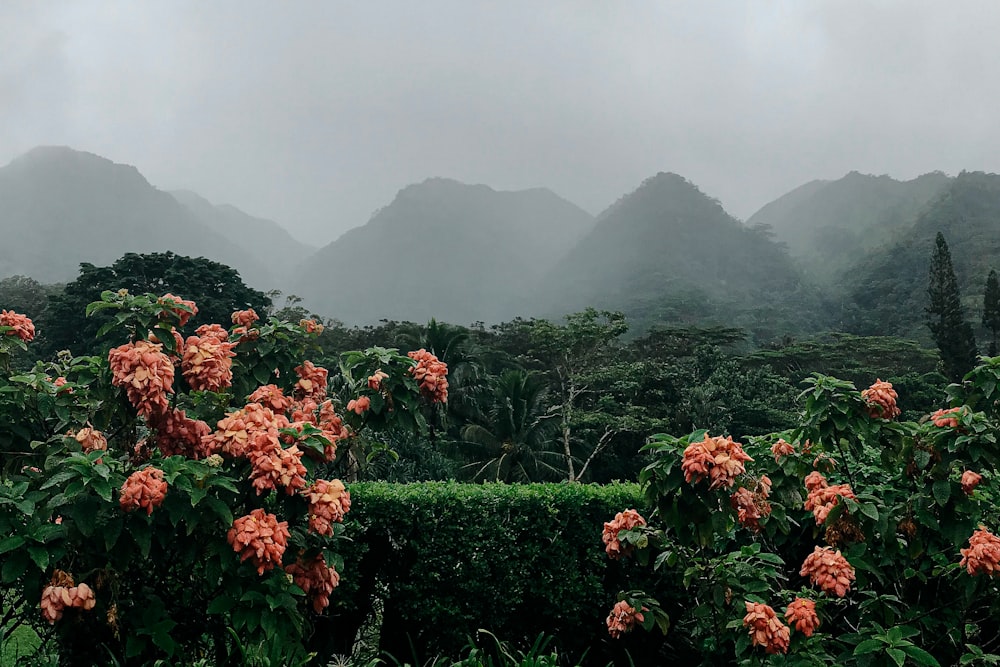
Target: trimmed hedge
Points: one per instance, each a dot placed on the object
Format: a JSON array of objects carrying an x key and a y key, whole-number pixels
[{"x": 440, "y": 560}]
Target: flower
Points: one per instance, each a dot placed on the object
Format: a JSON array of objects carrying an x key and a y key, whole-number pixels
[
  {"x": 801, "y": 614},
  {"x": 61, "y": 593},
  {"x": 91, "y": 440},
  {"x": 22, "y": 326},
  {"x": 311, "y": 326},
  {"x": 766, "y": 629},
  {"x": 431, "y": 373},
  {"x": 752, "y": 506},
  {"x": 623, "y": 618},
  {"x": 271, "y": 396},
  {"x": 245, "y": 318},
  {"x": 881, "y": 400},
  {"x": 60, "y": 383},
  {"x": 207, "y": 362},
  {"x": 144, "y": 488},
  {"x": 329, "y": 501},
  {"x": 720, "y": 459},
  {"x": 177, "y": 434},
  {"x": 260, "y": 538},
  {"x": 829, "y": 570},
  {"x": 359, "y": 405},
  {"x": 312, "y": 381},
  {"x": 278, "y": 468},
  {"x": 815, "y": 480},
  {"x": 171, "y": 302},
  {"x": 970, "y": 480},
  {"x": 146, "y": 373},
  {"x": 626, "y": 520},
  {"x": 781, "y": 449},
  {"x": 822, "y": 498},
  {"x": 316, "y": 579},
  {"x": 253, "y": 428},
  {"x": 983, "y": 554},
  {"x": 375, "y": 380},
  {"x": 946, "y": 418}
]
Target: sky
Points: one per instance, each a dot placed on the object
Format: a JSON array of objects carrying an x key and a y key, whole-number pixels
[{"x": 315, "y": 114}]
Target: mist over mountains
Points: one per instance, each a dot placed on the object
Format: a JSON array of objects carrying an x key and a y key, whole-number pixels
[{"x": 849, "y": 254}]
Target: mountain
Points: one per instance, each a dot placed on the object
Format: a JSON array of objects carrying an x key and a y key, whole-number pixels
[
  {"x": 828, "y": 225},
  {"x": 669, "y": 254},
  {"x": 460, "y": 253},
  {"x": 885, "y": 292},
  {"x": 62, "y": 207},
  {"x": 259, "y": 237}
]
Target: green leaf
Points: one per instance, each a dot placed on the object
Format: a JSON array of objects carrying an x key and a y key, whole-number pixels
[
  {"x": 40, "y": 555},
  {"x": 869, "y": 646},
  {"x": 897, "y": 656},
  {"x": 920, "y": 656},
  {"x": 220, "y": 605},
  {"x": 14, "y": 567},
  {"x": 11, "y": 543},
  {"x": 941, "y": 491}
]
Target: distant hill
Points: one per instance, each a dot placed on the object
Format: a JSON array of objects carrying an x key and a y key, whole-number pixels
[
  {"x": 61, "y": 207},
  {"x": 885, "y": 292},
  {"x": 263, "y": 239},
  {"x": 669, "y": 254},
  {"x": 829, "y": 225},
  {"x": 460, "y": 253}
]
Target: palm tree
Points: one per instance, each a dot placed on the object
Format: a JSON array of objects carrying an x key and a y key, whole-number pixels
[{"x": 512, "y": 439}]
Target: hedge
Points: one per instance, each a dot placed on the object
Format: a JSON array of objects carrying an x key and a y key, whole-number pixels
[{"x": 431, "y": 563}]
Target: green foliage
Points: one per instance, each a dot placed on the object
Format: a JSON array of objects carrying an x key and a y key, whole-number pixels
[
  {"x": 945, "y": 317},
  {"x": 991, "y": 309}
]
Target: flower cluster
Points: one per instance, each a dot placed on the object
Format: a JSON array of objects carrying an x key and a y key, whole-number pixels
[
  {"x": 22, "y": 326},
  {"x": 946, "y": 418},
  {"x": 623, "y": 618},
  {"x": 822, "y": 498},
  {"x": 245, "y": 318},
  {"x": 983, "y": 554},
  {"x": 881, "y": 400},
  {"x": 146, "y": 373},
  {"x": 375, "y": 380},
  {"x": 752, "y": 505},
  {"x": 177, "y": 434},
  {"x": 360, "y": 405},
  {"x": 207, "y": 363},
  {"x": 252, "y": 428},
  {"x": 829, "y": 570},
  {"x": 171, "y": 302},
  {"x": 61, "y": 593},
  {"x": 432, "y": 374},
  {"x": 260, "y": 538},
  {"x": 970, "y": 480},
  {"x": 91, "y": 440},
  {"x": 271, "y": 396},
  {"x": 781, "y": 449},
  {"x": 312, "y": 381},
  {"x": 328, "y": 503},
  {"x": 801, "y": 614},
  {"x": 316, "y": 579},
  {"x": 720, "y": 459},
  {"x": 311, "y": 326},
  {"x": 144, "y": 489},
  {"x": 766, "y": 629},
  {"x": 278, "y": 468},
  {"x": 626, "y": 520}
]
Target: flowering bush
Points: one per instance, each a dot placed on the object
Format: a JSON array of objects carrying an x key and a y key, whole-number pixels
[
  {"x": 898, "y": 557},
  {"x": 181, "y": 481}
]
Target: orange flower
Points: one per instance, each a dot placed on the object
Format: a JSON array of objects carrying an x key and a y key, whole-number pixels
[
  {"x": 970, "y": 480},
  {"x": 144, "y": 488},
  {"x": 623, "y": 618},
  {"x": 801, "y": 614},
  {"x": 60, "y": 384},
  {"x": 278, "y": 468},
  {"x": 254, "y": 428},
  {"x": 328, "y": 503},
  {"x": 823, "y": 498},
  {"x": 176, "y": 434},
  {"x": 208, "y": 362},
  {"x": 431, "y": 373},
  {"x": 626, "y": 520},
  {"x": 781, "y": 449},
  {"x": 720, "y": 459},
  {"x": 312, "y": 381},
  {"x": 815, "y": 480},
  {"x": 146, "y": 373},
  {"x": 23, "y": 327},
  {"x": 245, "y": 318},
  {"x": 983, "y": 554},
  {"x": 375, "y": 380},
  {"x": 766, "y": 629},
  {"x": 91, "y": 440},
  {"x": 360, "y": 405},
  {"x": 171, "y": 302},
  {"x": 881, "y": 400},
  {"x": 829, "y": 570},
  {"x": 311, "y": 326},
  {"x": 61, "y": 593},
  {"x": 316, "y": 579},
  {"x": 260, "y": 538},
  {"x": 946, "y": 418},
  {"x": 271, "y": 396},
  {"x": 752, "y": 506}
]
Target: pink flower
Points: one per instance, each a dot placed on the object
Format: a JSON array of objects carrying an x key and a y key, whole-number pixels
[
  {"x": 970, "y": 480},
  {"x": 171, "y": 302},
  {"x": 312, "y": 381},
  {"x": 626, "y": 520},
  {"x": 146, "y": 373},
  {"x": 432, "y": 374},
  {"x": 623, "y": 618},
  {"x": 360, "y": 405},
  {"x": 23, "y": 328},
  {"x": 245, "y": 318},
  {"x": 143, "y": 489}
]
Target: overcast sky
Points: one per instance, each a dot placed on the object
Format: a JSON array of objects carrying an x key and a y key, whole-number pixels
[{"x": 315, "y": 113}]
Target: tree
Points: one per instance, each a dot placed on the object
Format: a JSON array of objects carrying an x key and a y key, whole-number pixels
[
  {"x": 991, "y": 309},
  {"x": 216, "y": 288},
  {"x": 945, "y": 317}
]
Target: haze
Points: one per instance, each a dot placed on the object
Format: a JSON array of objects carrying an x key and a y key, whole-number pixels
[{"x": 315, "y": 113}]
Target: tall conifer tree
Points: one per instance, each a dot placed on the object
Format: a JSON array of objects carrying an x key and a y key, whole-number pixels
[
  {"x": 991, "y": 309},
  {"x": 945, "y": 318}
]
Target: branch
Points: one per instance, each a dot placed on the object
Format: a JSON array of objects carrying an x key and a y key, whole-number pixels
[{"x": 602, "y": 442}]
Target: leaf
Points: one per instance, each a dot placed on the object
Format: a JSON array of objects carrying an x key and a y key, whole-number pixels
[
  {"x": 897, "y": 656},
  {"x": 869, "y": 646},
  {"x": 220, "y": 605},
  {"x": 40, "y": 555},
  {"x": 920, "y": 656},
  {"x": 11, "y": 543},
  {"x": 941, "y": 491}
]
